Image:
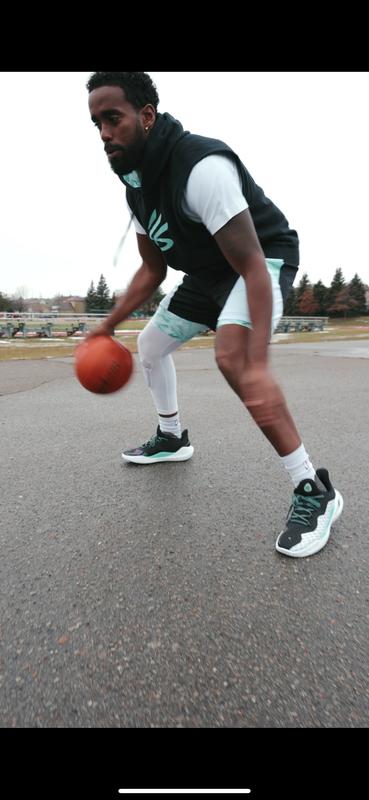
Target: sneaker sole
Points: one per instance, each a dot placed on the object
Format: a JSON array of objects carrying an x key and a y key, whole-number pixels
[
  {"x": 183, "y": 454},
  {"x": 314, "y": 547}
]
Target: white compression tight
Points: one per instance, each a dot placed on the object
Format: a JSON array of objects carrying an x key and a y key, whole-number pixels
[{"x": 154, "y": 348}]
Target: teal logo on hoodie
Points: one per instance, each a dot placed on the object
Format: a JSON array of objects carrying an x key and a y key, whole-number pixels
[{"x": 156, "y": 230}]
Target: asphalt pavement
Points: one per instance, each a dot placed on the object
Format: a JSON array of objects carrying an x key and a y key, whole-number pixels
[{"x": 153, "y": 596}]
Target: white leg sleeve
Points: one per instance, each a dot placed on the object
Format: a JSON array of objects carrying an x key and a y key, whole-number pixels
[{"x": 154, "y": 348}]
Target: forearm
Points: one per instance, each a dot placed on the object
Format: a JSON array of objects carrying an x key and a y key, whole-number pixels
[
  {"x": 260, "y": 303},
  {"x": 142, "y": 286},
  {"x": 240, "y": 245}
]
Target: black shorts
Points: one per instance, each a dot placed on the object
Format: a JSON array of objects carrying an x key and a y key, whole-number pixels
[{"x": 196, "y": 302}]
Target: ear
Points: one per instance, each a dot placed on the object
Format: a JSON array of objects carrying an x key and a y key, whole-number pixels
[{"x": 148, "y": 116}]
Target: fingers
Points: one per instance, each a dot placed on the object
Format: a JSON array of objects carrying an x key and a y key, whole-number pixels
[{"x": 100, "y": 331}]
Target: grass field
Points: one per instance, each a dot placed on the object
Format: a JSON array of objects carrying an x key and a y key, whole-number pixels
[
  {"x": 16, "y": 349},
  {"x": 339, "y": 329}
]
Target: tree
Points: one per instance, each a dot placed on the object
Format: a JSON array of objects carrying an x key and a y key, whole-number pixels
[
  {"x": 343, "y": 304},
  {"x": 17, "y": 303},
  {"x": 303, "y": 285},
  {"x": 290, "y": 308},
  {"x": 307, "y": 304},
  {"x": 338, "y": 283},
  {"x": 21, "y": 291},
  {"x": 321, "y": 296},
  {"x": 5, "y": 303},
  {"x": 102, "y": 295},
  {"x": 149, "y": 308},
  {"x": 357, "y": 292},
  {"x": 90, "y": 299}
]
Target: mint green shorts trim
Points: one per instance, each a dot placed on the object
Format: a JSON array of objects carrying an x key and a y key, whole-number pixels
[
  {"x": 234, "y": 312},
  {"x": 174, "y": 326},
  {"x": 236, "y": 309}
]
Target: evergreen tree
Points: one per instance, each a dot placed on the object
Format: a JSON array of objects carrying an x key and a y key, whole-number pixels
[
  {"x": 102, "y": 295},
  {"x": 290, "y": 307},
  {"x": 357, "y": 292},
  {"x": 321, "y": 296},
  {"x": 338, "y": 283},
  {"x": 302, "y": 286},
  {"x": 90, "y": 299}
]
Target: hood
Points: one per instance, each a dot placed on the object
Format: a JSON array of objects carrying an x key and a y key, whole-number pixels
[{"x": 164, "y": 135}]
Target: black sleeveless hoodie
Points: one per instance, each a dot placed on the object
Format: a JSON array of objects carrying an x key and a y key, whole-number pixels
[{"x": 170, "y": 154}]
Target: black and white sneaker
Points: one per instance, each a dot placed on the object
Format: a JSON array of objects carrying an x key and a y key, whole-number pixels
[
  {"x": 161, "y": 447},
  {"x": 316, "y": 505}
]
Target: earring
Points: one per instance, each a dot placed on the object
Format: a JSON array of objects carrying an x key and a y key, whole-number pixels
[{"x": 147, "y": 128}]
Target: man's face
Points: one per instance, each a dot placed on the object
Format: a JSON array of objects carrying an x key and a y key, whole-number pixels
[{"x": 121, "y": 128}]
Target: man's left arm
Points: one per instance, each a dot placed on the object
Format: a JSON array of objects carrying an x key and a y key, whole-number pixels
[{"x": 240, "y": 245}]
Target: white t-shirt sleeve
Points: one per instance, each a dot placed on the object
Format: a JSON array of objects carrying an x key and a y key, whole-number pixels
[
  {"x": 213, "y": 194},
  {"x": 138, "y": 226}
]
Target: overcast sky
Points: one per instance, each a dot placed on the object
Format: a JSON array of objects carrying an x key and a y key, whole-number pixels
[{"x": 303, "y": 136}]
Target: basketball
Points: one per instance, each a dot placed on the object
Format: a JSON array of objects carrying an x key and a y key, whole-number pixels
[{"x": 102, "y": 364}]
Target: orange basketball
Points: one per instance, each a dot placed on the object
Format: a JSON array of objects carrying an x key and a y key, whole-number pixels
[{"x": 102, "y": 364}]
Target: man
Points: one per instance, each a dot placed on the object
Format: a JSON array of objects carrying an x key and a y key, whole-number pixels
[{"x": 196, "y": 208}]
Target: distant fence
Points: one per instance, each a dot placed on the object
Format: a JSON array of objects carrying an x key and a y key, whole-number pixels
[
  {"x": 17, "y": 325},
  {"x": 298, "y": 324},
  {"x": 49, "y": 326},
  {"x": 20, "y": 329},
  {"x": 37, "y": 315}
]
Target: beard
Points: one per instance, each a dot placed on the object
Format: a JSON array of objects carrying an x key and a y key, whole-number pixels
[{"x": 130, "y": 157}]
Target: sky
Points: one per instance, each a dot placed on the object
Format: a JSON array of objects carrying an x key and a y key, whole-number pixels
[{"x": 303, "y": 136}]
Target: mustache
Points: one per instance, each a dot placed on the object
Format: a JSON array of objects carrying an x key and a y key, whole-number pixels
[{"x": 109, "y": 148}]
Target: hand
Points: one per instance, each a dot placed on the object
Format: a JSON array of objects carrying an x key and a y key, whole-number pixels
[
  {"x": 104, "y": 329},
  {"x": 262, "y": 396}
]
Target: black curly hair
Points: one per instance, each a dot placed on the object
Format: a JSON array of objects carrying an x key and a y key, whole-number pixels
[{"x": 137, "y": 86}]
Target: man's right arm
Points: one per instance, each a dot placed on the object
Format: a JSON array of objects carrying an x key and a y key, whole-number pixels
[{"x": 148, "y": 277}]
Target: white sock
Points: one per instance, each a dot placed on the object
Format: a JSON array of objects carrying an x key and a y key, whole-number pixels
[
  {"x": 298, "y": 465},
  {"x": 171, "y": 424}
]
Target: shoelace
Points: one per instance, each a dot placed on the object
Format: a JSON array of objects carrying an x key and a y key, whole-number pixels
[
  {"x": 154, "y": 440},
  {"x": 303, "y": 507}
]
